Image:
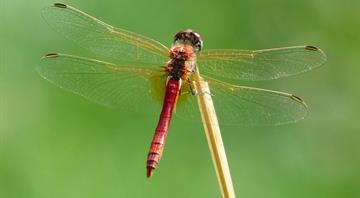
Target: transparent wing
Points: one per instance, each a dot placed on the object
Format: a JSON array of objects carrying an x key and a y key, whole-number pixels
[
  {"x": 260, "y": 64},
  {"x": 102, "y": 38},
  {"x": 248, "y": 106},
  {"x": 142, "y": 88},
  {"x": 102, "y": 82}
]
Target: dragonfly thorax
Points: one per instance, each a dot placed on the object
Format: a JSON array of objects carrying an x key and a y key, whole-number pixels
[{"x": 181, "y": 53}]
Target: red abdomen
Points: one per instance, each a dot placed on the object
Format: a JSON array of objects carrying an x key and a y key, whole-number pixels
[{"x": 158, "y": 142}]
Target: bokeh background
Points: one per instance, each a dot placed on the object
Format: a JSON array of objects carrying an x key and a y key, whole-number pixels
[{"x": 57, "y": 144}]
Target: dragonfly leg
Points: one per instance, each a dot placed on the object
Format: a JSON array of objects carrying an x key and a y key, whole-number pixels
[
  {"x": 192, "y": 89},
  {"x": 206, "y": 93},
  {"x": 202, "y": 93},
  {"x": 192, "y": 86}
]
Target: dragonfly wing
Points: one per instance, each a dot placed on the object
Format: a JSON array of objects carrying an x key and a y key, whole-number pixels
[
  {"x": 260, "y": 64},
  {"x": 240, "y": 105},
  {"x": 245, "y": 106},
  {"x": 105, "y": 83},
  {"x": 102, "y": 38}
]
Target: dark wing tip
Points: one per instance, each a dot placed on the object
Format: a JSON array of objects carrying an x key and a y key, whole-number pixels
[
  {"x": 311, "y": 48},
  {"x": 60, "y": 5},
  {"x": 321, "y": 54},
  {"x": 52, "y": 55},
  {"x": 296, "y": 98}
]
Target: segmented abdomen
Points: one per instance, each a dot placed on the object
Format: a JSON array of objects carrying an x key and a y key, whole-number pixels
[{"x": 158, "y": 142}]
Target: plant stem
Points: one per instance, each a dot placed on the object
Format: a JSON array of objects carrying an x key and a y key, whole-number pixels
[{"x": 213, "y": 135}]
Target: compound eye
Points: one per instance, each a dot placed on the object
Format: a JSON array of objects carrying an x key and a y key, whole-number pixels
[
  {"x": 198, "y": 43},
  {"x": 199, "y": 46}
]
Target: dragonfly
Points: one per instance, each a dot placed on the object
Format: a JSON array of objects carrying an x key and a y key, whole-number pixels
[{"x": 142, "y": 73}]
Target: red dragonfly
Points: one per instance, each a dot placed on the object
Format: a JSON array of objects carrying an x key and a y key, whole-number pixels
[{"x": 143, "y": 72}]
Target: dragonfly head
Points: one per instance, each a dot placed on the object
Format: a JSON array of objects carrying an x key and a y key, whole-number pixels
[{"x": 189, "y": 37}]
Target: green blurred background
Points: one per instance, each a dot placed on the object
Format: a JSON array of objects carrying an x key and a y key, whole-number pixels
[{"x": 57, "y": 144}]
